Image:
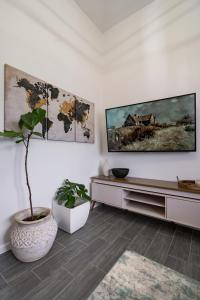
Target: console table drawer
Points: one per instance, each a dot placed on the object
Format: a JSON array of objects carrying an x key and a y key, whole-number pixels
[
  {"x": 107, "y": 194},
  {"x": 183, "y": 211}
]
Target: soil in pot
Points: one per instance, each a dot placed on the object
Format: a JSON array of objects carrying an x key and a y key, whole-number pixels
[{"x": 35, "y": 218}]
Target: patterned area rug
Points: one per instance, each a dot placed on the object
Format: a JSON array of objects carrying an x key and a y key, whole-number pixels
[{"x": 139, "y": 278}]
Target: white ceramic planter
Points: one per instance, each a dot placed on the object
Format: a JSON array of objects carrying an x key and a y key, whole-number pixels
[
  {"x": 31, "y": 241},
  {"x": 71, "y": 219}
]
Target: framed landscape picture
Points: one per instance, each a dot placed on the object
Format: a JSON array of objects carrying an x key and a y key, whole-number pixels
[{"x": 165, "y": 125}]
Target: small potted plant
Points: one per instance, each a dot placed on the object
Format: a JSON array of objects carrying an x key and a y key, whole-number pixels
[
  {"x": 71, "y": 206},
  {"x": 34, "y": 230}
]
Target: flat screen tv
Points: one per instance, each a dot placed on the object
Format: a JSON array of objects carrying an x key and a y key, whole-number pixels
[{"x": 165, "y": 125}]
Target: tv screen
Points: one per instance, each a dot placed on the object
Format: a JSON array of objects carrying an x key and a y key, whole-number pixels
[{"x": 164, "y": 125}]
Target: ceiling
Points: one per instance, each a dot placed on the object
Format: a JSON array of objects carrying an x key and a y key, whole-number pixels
[{"x": 107, "y": 13}]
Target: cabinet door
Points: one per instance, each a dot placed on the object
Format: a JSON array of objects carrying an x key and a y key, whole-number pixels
[
  {"x": 107, "y": 194},
  {"x": 184, "y": 211}
]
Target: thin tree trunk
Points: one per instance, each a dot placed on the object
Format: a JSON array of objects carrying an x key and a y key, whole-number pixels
[{"x": 27, "y": 178}]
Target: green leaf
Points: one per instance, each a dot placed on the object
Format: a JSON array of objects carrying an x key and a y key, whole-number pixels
[
  {"x": 26, "y": 121},
  {"x": 70, "y": 201},
  {"x": 20, "y": 124},
  {"x": 19, "y": 141},
  {"x": 11, "y": 134},
  {"x": 37, "y": 133},
  {"x": 31, "y": 119},
  {"x": 70, "y": 192},
  {"x": 40, "y": 114}
]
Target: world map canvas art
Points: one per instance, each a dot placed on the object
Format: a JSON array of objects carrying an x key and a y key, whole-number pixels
[{"x": 68, "y": 117}]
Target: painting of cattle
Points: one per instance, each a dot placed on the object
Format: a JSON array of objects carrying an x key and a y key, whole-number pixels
[{"x": 164, "y": 125}]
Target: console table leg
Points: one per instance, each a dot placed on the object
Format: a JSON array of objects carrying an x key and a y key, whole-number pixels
[{"x": 93, "y": 204}]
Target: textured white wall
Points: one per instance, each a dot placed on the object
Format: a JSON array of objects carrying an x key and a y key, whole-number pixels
[
  {"x": 152, "y": 55},
  {"x": 38, "y": 41}
]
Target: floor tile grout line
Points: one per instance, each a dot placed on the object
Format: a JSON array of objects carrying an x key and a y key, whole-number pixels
[
  {"x": 167, "y": 222},
  {"x": 98, "y": 234},
  {"x": 75, "y": 239},
  {"x": 186, "y": 239},
  {"x": 159, "y": 233},
  {"x": 84, "y": 243},
  {"x": 6, "y": 281},
  {"x": 57, "y": 242},
  {"x": 69, "y": 272},
  {"x": 173, "y": 237},
  {"x": 190, "y": 247},
  {"x": 151, "y": 242},
  {"x": 63, "y": 250},
  {"x": 120, "y": 234},
  {"x": 107, "y": 247},
  {"x": 96, "y": 225},
  {"x": 103, "y": 221},
  {"x": 46, "y": 260},
  {"x": 28, "y": 268},
  {"x": 71, "y": 235},
  {"x": 62, "y": 267},
  {"x": 11, "y": 266},
  {"x": 36, "y": 275},
  {"x": 104, "y": 250},
  {"x": 105, "y": 273},
  {"x": 127, "y": 228},
  {"x": 17, "y": 276},
  {"x": 177, "y": 258},
  {"x": 138, "y": 233},
  {"x": 71, "y": 258},
  {"x": 133, "y": 239},
  {"x": 180, "y": 259},
  {"x": 75, "y": 277},
  {"x": 54, "y": 298}
]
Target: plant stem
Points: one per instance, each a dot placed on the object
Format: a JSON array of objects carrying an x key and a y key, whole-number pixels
[{"x": 27, "y": 178}]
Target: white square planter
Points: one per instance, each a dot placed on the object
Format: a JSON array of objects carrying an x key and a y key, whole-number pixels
[{"x": 71, "y": 219}]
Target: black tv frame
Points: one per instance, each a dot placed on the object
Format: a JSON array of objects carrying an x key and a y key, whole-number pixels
[{"x": 153, "y": 151}]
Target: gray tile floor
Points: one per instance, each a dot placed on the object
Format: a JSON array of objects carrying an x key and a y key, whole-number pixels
[{"x": 77, "y": 263}]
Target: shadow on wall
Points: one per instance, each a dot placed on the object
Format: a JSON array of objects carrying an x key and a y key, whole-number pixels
[
  {"x": 6, "y": 236},
  {"x": 19, "y": 180},
  {"x": 146, "y": 26},
  {"x": 123, "y": 58},
  {"x": 14, "y": 154},
  {"x": 101, "y": 119},
  {"x": 59, "y": 35},
  {"x": 66, "y": 24}
]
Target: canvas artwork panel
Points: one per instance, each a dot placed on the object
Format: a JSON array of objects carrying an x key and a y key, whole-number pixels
[
  {"x": 68, "y": 117},
  {"x": 84, "y": 120},
  {"x": 23, "y": 93},
  {"x": 61, "y": 112},
  {"x": 162, "y": 125}
]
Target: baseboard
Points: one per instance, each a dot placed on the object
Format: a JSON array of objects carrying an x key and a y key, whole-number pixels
[{"x": 4, "y": 248}]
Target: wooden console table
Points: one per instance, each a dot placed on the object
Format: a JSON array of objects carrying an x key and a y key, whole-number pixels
[{"x": 156, "y": 198}]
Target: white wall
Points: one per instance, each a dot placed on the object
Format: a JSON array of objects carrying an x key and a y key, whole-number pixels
[
  {"x": 152, "y": 55},
  {"x": 63, "y": 50}
]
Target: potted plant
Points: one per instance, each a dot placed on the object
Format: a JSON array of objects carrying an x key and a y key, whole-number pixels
[
  {"x": 71, "y": 206},
  {"x": 34, "y": 230}
]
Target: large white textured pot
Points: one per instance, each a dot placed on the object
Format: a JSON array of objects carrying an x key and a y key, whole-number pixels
[
  {"x": 31, "y": 240},
  {"x": 71, "y": 219}
]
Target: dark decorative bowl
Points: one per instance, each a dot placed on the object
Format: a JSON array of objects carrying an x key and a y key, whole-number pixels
[{"x": 120, "y": 172}]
